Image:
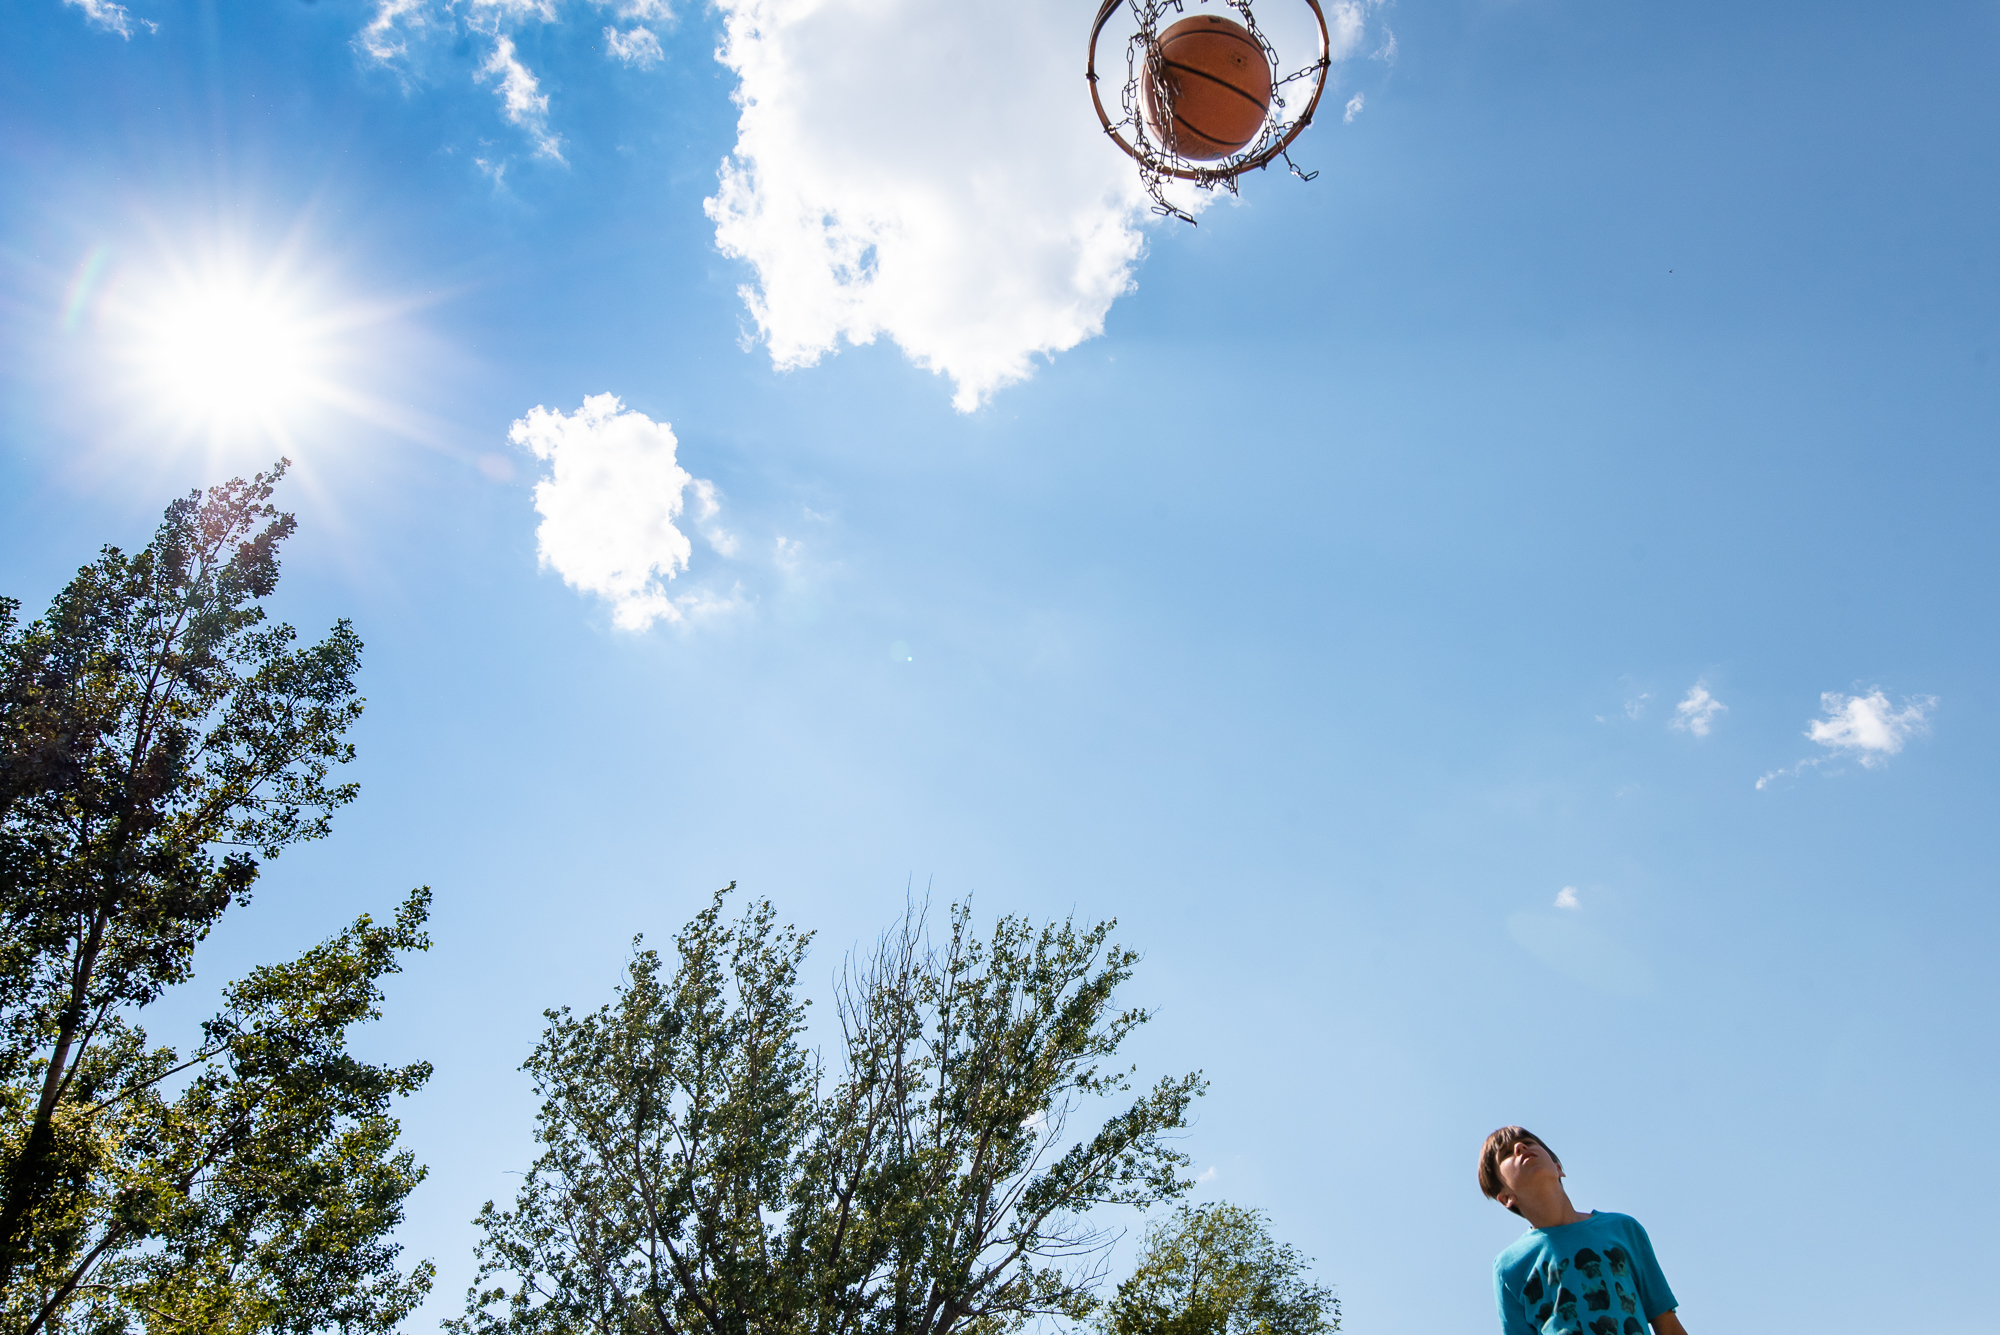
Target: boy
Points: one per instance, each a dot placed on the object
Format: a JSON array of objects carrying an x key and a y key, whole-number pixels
[{"x": 1572, "y": 1273}]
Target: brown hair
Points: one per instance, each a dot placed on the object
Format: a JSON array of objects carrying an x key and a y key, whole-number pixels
[{"x": 1498, "y": 1146}]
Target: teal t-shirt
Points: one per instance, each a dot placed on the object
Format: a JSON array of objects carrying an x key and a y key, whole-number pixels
[{"x": 1597, "y": 1275}]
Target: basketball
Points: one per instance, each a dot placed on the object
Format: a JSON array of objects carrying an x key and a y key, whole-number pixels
[{"x": 1217, "y": 89}]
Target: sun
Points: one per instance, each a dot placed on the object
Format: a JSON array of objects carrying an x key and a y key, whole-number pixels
[
  {"x": 228, "y": 353},
  {"x": 243, "y": 346},
  {"x": 239, "y": 347},
  {"x": 229, "y": 350}
]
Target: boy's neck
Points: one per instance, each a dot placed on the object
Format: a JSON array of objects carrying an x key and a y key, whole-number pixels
[{"x": 1552, "y": 1209}]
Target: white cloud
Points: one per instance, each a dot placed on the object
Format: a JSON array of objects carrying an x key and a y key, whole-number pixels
[
  {"x": 708, "y": 504},
  {"x": 1696, "y": 713},
  {"x": 914, "y": 169},
  {"x": 386, "y": 36},
  {"x": 930, "y": 172},
  {"x": 494, "y": 16},
  {"x": 1354, "y": 106},
  {"x": 1566, "y": 898},
  {"x": 642, "y": 11},
  {"x": 1345, "y": 22},
  {"x": 637, "y": 47},
  {"x": 1866, "y": 727},
  {"x": 608, "y": 507},
  {"x": 521, "y": 97},
  {"x": 111, "y": 17}
]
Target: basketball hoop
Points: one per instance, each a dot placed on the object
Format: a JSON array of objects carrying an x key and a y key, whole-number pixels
[{"x": 1150, "y": 129}]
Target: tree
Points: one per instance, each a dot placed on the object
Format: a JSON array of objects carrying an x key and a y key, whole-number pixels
[
  {"x": 671, "y": 1120},
  {"x": 1215, "y": 1270},
  {"x": 703, "y": 1174},
  {"x": 157, "y": 739}
]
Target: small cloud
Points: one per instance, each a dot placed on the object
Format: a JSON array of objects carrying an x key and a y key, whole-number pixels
[
  {"x": 386, "y": 37},
  {"x": 1566, "y": 898},
  {"x": 1866, "y": 727},
  {"x": 638, "y": 47},
  {"x": 1345, "y": 26},
  {"x": 608, "y": 508},
  {"x": 707, "y": 505},
  {"x": 1696, "y": 713},
  {"x": 1208, "y": 1174},
  {"x": 1354, "y": 105},
  {"x": 1636, "y": 706},
  {"x": 489, "y": 16},
  {"x": 398, "y": 26},
  {"x": 110, "y": 16},
  {"x": 521, "y": 98}
]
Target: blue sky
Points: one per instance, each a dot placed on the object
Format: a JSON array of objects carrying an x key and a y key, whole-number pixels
[{"x": 1324, "y": 617}]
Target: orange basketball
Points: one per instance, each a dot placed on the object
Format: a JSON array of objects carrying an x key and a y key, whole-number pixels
[{"x": 1217, "y": 88}]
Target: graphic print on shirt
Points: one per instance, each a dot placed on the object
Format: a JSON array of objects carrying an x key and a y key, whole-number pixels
[
  {"x": 1574, "y": 1305},
  {"x": 1535, "y": 1292}
]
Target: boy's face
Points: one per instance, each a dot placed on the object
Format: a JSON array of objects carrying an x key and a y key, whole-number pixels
[{"x": 1528, "y": 1161}]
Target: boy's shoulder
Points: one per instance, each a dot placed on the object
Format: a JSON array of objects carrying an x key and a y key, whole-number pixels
[{"x": 1527, "y": 1251}]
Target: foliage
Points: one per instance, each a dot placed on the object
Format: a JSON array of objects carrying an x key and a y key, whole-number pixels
[
  {"x": 1215, "y": 1270},
  {"x": 156, "y": 739},
  {"x": 670, "y": 1120},
  {"x": 259, "y": 1197},
  {"x": 703, "y": 1174}
]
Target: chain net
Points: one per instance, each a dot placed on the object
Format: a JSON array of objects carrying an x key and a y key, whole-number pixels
[{"x": 1159, "y": 163}]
